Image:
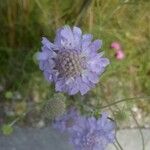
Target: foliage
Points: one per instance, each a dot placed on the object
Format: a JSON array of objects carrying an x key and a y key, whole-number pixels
[{"x": 7, "y": 129}]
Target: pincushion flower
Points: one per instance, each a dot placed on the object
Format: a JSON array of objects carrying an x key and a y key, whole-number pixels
[
  {"x": 92, "y": 134},
  {"x": 72, "y": 61}
]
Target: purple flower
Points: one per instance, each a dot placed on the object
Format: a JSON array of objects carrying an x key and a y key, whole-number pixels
[
  {"x": 66, "y": 121},
  {"x": 72, "y": 61},
  {"x": 92, "y": 134}
]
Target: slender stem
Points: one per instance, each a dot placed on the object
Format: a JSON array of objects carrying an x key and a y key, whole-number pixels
[
  {"x": 115, "y": 146},
  {"x": 126, "y": 99},
  {"x": 119, "y": 145},
  {"x": 17, "y": 119},
  {"x": 25, "y": 113},
  {"x": 82, "y": 11},
  {"x": 140, "y": 130}
]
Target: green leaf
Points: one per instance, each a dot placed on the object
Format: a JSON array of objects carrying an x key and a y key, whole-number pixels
[
  {"x": 8, "y": 94},
  {"x": 35, "y": 58},
  {"x": 7, "y": 129}
]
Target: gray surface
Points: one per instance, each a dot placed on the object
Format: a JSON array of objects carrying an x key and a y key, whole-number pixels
[
  {"x": 49, "y": 139},
  {"x": 130, "y": 139},
  {"x": 34, "y": 139}
]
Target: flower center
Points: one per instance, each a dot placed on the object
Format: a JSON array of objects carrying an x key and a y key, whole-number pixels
[
  {"x": 88, "y": 141},
  {"x": 69, "y": 63}
]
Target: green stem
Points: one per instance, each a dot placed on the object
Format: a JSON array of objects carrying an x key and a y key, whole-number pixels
[
  {"x": 140, "y": 130},
  {"x": 126, "y": 99}
]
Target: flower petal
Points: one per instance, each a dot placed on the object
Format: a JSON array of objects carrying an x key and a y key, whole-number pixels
[
  {"x": 48, "y": 76},
  {"x": 86, "y": 40},
  {"x": 74, "y": 90},
  {"x": 57, "y": 40},
  {"x": 77, "y": 37},
  {"x": 84, "y": 88},
  {"x": 41, "y": 56},
  {"x": 68, "y": 39},
  {"x": 96, "y": 45},
  {"x": 47, "y": 43},
  {"x": 59, "y": 85},
  {"x": 93, "y": 77}
]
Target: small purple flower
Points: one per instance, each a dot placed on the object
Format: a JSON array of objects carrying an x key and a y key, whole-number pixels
[
  {"x": 66, "y": 121},
  {"x": 92, "y": 134},
  {"x": 72, "y": 61}
]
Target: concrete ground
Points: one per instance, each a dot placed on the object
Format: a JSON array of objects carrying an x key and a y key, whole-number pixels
[{"x": 49, "y": 139}]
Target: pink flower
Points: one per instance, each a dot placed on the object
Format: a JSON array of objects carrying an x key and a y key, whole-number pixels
[
  {"x": 119, "y": 54},
  {"x": 116, "y": 45}
]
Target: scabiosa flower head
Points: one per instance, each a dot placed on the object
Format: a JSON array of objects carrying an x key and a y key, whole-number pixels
[
  {"x": 66, "y": 121},
  {"x": 54, "y": 107},
  {"x": 92, "y": 134},
  {"x": 72, "y": 61}
]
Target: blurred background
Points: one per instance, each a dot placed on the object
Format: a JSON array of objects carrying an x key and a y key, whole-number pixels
[{"x": 122, "y": 25}]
